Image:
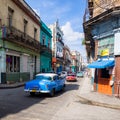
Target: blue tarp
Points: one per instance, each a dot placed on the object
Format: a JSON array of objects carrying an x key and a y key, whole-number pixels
[{"x": 102, "y": 64}]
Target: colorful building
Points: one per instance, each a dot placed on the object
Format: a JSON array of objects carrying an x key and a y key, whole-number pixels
[
  {"x": 76, "y": 61},
  {"x": 102, "y": 44},
  {"x": 57, "y": 47},
  {"x": 46, "y": 48},
  {"x": 67, "y": 58},
  {"x": 19, "y": 41}
]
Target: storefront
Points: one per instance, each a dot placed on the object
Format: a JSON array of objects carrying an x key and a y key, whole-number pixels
[
  {"x": 17, "y": 66},
  {"x": 104, "y": 75}
]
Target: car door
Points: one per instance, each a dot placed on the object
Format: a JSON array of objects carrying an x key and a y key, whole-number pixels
[
  {"x": 61, "y": 82},
  {"x": 58, "y": 83}
]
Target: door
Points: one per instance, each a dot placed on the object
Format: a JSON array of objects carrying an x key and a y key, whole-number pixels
[
  {"x": 31, "y": 66},
  {"x": 104, "y": 86},
  {"x": 104, "y": 82},
  {"x": 57, "y": 82}
]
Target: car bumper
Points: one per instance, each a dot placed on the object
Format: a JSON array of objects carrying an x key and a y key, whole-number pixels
[
  {"x": 37, "y": 91},
  {"x": 70, "y": 79}
]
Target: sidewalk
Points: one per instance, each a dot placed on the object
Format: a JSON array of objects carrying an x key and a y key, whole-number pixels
[
  {"x": 87, "y": 96},
  {"x": 6, "y": 86}
]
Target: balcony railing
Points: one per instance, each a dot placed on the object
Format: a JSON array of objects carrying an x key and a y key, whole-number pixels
[
  {"x": 16, "y": 36},
  {"x": 45, "y": 49}
]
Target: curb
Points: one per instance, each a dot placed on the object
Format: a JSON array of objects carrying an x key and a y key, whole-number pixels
[
  {"x": 95, "y": 103},
  {"x": 6, "y": 86}
]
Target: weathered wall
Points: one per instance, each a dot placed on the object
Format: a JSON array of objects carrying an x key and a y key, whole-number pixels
[{"x": 18, "y": 18}]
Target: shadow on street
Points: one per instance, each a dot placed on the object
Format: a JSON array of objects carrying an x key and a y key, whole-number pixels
[{"x": 15, "y": 100}]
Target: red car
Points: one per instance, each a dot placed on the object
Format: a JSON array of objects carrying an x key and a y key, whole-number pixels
[{"x": 71, "y": 77}]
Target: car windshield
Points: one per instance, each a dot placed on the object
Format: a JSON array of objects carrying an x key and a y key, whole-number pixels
[{"x": 43, "y": 77}]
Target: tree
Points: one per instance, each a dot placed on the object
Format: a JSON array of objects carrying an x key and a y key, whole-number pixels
[{"x": 83, "y": 42}]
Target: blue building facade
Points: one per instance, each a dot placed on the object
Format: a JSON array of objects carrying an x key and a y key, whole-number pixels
[
  {"x": 46, "y": 48},
  {"x": 105, "y": 34}
]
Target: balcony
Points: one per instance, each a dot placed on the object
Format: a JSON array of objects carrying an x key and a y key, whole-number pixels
[
  {"x": 45, "y": 50},
  {"x": 112, "y": 12},
  {"x": 14, "y": 35}
]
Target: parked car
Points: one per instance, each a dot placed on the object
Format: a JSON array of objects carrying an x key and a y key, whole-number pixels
[
  {"x": 59, "y": 73},
  {"x": 80, "y": 74},
  {"x": 71, "y": 77},
  {"x": 45, "y": 83},
  {"x": 63, "y": 74}
]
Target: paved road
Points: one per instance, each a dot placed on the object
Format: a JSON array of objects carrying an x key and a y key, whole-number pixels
[{"x": 15, "y": 104}]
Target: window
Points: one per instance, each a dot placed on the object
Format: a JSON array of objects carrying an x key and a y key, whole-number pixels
[
  {"x": 105, "y": 73},
  {"x": 49, "y": 44},
  {"x": 10, "y": 17},
  {"x": 43, "y": 70},
  {"x": 55, "y": 78},
  {"x": 43, "y": 39},
  {"x": 12, "y": 63},
  {"x": 25, "y": 26},
  {"x": 35, "y": 33},
  {"x": 106, "y": 43}
]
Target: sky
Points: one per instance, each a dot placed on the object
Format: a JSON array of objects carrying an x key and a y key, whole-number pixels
[{"x": 69, "y": 13}]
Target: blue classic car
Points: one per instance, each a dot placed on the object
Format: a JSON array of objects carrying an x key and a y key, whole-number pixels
[{"x": 45, "y": 83}]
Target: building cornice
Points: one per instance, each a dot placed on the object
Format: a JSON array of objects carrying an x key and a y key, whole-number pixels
[
  {"x": 34, "y": 16},
  {"x": 111, "y": 12}
]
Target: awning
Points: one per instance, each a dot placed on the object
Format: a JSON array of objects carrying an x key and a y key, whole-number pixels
[{"x": 102, "y": 64}]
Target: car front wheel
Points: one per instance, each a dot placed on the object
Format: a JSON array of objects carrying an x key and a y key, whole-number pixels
[
  {"x": 52, "y": 93},
  {"x": 32, "y": 93},
  {"x": 63, "y": 88}
]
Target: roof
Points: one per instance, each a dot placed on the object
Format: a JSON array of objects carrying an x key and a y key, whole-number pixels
[{"x": 47, "y": 74}]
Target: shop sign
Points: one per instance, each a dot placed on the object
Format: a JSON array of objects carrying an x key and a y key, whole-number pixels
[{"x": 105, "y": 52}]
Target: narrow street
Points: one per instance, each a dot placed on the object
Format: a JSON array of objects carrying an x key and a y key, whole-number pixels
[
  {"x": 44, "y": 41},
  {"x": 15, "y": 104}
]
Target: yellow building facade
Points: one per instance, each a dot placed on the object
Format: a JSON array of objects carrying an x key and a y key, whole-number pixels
[{"x": 20, "y": 46}]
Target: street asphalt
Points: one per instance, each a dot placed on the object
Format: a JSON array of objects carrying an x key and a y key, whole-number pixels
[{"x": 85, "y": 94}]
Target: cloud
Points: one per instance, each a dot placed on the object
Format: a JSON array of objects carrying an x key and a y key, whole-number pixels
[
  {"x": 73, "y": 39},
  {"x": 69, "y": 34}
]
